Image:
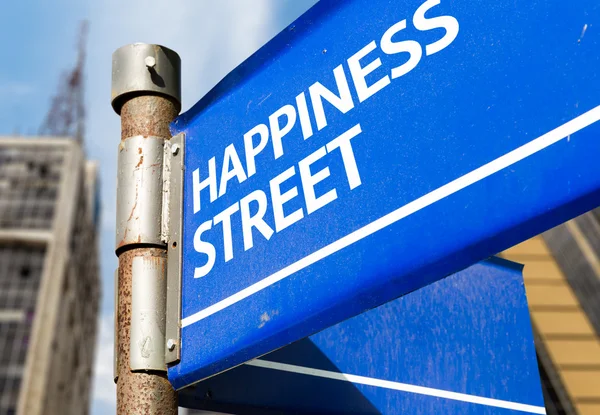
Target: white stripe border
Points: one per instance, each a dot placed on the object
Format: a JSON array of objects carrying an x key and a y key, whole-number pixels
[
  {"x": 416, "y": 205},
  {"x": 397, "y": 386}
]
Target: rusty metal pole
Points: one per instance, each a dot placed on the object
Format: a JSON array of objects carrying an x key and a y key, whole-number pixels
[{"x": 146, "y": 93}]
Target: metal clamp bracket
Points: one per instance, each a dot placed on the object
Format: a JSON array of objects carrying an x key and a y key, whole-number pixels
[
  {"x": 148, "y": 309},
  {"x": 140, "y": 186},
  {"x": 172, "y": 234}
]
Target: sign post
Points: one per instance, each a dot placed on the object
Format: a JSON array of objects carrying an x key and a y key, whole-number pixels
[{"x": 146, "y": 94}]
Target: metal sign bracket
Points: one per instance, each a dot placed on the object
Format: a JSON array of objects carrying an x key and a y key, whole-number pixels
[{"x": 172, "y": 215}]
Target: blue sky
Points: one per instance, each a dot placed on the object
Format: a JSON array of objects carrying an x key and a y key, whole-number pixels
[{"x": 38, "y": 43}]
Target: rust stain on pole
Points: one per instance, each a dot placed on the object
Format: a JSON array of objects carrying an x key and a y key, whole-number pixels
[
  {"x": 146, "y": 392},
  {"x": 145, "y": 115}
]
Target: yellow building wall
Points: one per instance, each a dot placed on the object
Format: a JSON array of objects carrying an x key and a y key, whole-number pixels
[{"x": 561, "y": 324}]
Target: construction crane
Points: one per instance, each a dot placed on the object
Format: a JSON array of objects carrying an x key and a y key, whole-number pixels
[{"x": 66, "y": 117}]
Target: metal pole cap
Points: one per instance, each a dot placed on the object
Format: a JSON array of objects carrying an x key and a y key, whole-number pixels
[{"x": 143, "y": 68}]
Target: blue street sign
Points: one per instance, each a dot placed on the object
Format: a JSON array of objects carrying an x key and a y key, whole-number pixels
[
  {"x": 374, "y": 147},
  {"x": 462, "y": 345}
]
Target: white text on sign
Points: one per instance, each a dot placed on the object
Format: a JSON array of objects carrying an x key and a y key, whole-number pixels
[{"x": 208, "y": 186}]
